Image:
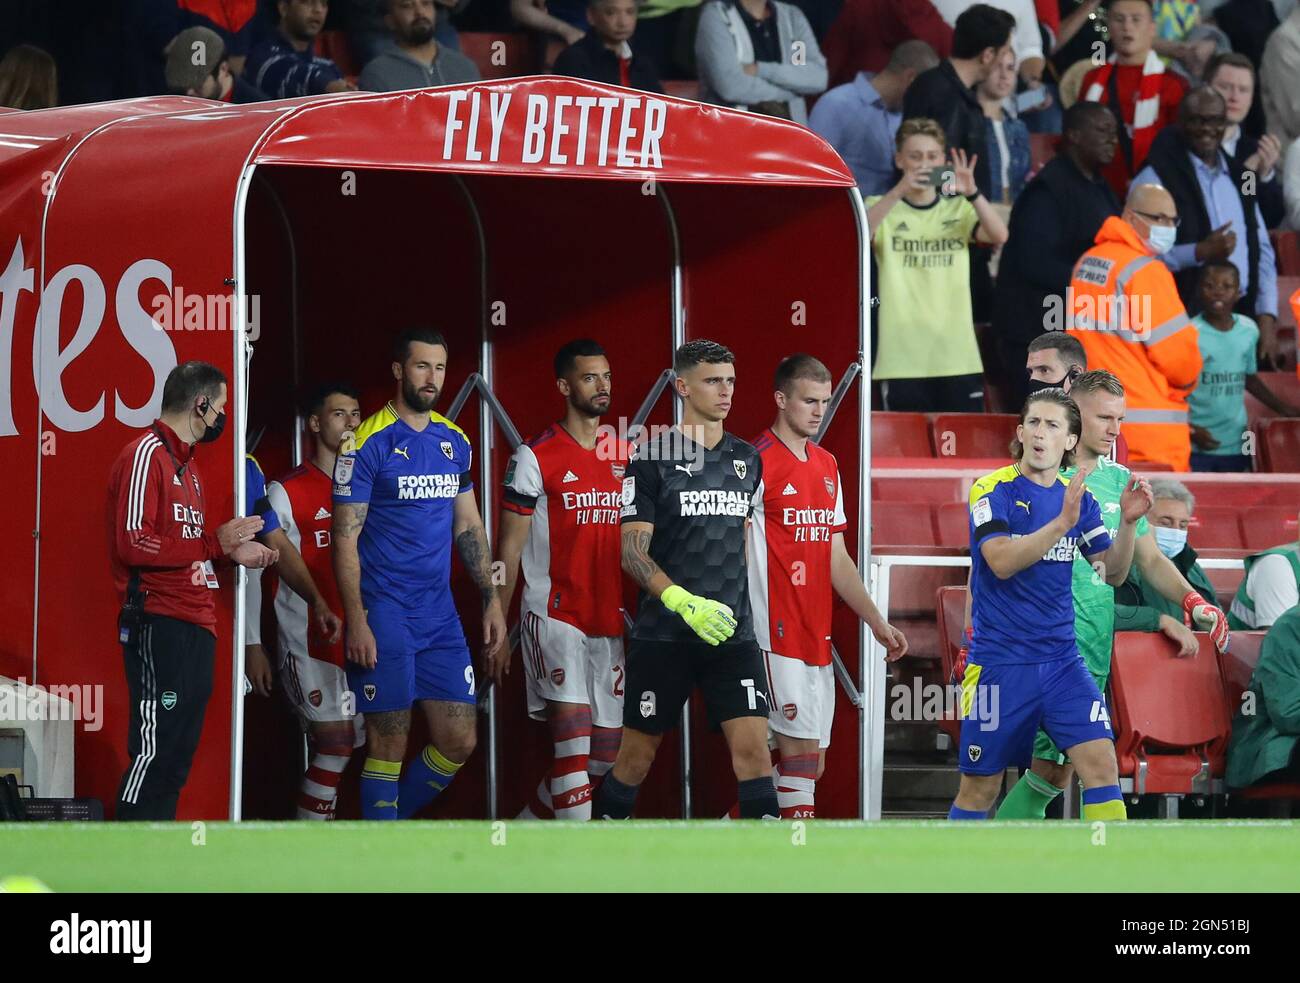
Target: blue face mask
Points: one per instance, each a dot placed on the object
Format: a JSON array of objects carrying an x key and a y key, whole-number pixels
[
  {"x": 1161, "y": 239},
  {"x": 1170, "y": 542}
]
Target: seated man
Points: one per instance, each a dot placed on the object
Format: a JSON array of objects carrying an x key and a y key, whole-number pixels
[
  {"x": 1270, "y": 587},
  {"x": 197, "y": 65},
  {"x": 417, "y": 60},
  {"x": 1138, "y": 606},
  {"x": 287, "y": 65},
  {"x": 1263, "y": 746},
  {"x": 604, "y": 54}
]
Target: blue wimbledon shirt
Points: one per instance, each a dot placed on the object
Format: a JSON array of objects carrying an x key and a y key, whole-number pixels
[
  {"x": 1028, "y": 617},
  {"x": 410, "y": 479}
]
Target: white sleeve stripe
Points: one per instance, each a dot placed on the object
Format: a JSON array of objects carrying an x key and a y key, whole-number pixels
[
  {"x": 1092, "y": 534},
  {"x": 139, "y": 481}
]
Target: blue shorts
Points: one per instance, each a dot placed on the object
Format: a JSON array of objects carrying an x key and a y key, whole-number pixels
[
  {"x": 421, "y": 655},
  {"x": 1004, "y": 705}
]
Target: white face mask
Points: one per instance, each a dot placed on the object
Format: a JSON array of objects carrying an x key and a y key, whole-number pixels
[
  {"x": 1170, "y": 542},
  {"x": 1161, "y": 238}
]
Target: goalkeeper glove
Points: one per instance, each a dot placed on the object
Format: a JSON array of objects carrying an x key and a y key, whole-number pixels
[
  {"x": 711, "y": 620},
  {"x": 959, "y": 666},
  {"x": 1206, "y": 616}
]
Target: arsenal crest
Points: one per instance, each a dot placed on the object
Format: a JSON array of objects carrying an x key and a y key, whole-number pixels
[
  {"x": 790, "y": 710},
  {"x": 741, "y": 469},
  {"x": 314, "y": 698},
  {"x": 447, "y": 449},
  {"x": 557, "y": 677},
  {"x": 617, "y": 470},
  {"x": 830, "y": 487}
]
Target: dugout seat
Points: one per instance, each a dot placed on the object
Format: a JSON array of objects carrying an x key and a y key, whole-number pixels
[
  {"x": 1169, "y": 716},
  {"x": 950, "y": 609},
  {"x": 1215, "y": 527},
  {"x": 900, "y": 435},
  {"x": 902, "y": 524},
  {"x": 1279, "y": 444},
  {"x": 952, "y": 520},
  {"x": 1268, "y": 526},
  {"x": 974, "y": 434},
  {"x": 932, "y": 490}
]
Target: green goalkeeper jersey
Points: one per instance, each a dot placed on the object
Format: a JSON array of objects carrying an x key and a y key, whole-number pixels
[{"x": 1094, "y": 599}]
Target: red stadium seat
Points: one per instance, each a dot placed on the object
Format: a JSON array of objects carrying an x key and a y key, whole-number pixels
[
  {"x": 900, "y": 435},
  {"x": 334, "y": 46},
  {"x": 1169, "y": 715},
  {"x": 1215, "y": 527},
  {"x": 1279, "y": 444},
  {"x": 498, "y": 56},
  {"x": 953, "y": 521},
  {"x": 1237, "y": 664},
  {"x": 974, "y": 434},
  {"x": 1042, "y": 148},
  {"x": 902, "y": 524},
  {"x": 1287, "y": 247},
  {"x": 950, "y": 609},
  {"x": 682, "y": 88},
  {"x": 1262, "y": 528},
  {"x": 1285, "y": 384}
]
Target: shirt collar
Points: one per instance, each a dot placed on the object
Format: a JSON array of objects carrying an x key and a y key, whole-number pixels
[
  {"x": 180, "y": 450},
  {"x": 1203, "y": 168},
  {"x": 866, "y": 91}
]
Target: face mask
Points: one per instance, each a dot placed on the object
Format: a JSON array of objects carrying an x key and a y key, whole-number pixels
[
  {"x": 1161, "y": 238},
  {"x": 1038, "y": 385},
  {"x": 1171, "y": 542},
  {"x": 211, "y": 433}
]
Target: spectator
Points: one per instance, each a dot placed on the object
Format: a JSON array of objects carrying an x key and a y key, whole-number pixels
[
  {"x": 1054, "y": 221},
  {"x": 197, "y": 65},
  {"x": 1291, "y": 185},
  {"x": 1270, "y": 587},
  {"x": 368, "y": 33},
  {"x": 759, "y": 55},
  {"x": 286, "y": 66},
  {"x": 1006, "y": 136},
  {"x": 1054, "y": 360},
  {"x": 1026, "y": 39},
  {"x": 1262, "y": 747},
  {"x": 1220, "y": 219},
  {"x": 928, "y": 358},
  {"x": 1227, "y": 343},
  {"x": 864, "y": 37},
  {"x": 28, "y": 79},
  {"x": 1136, "y": 87},
  {"x": 605, "y": 53},
  {"x": 1183, "y": 40},
  {"x": 1233, "y": 76},
  {"x": 1138, "y": 605},
  {"x": 1082, "y": 27},
  {"x": 1125, "y": 309},
  {"x": 946, "y": 93},
  {"x": 418, "y": 60},
  {"x": 1279, "y": 78},
  {"x": 1248, "y": 24},
  {"x": 860, "y": 118},
  {"x": 565, "y": 19}
]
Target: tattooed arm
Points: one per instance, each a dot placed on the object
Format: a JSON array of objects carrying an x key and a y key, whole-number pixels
[
  {"x": 472, "y": 544},
  {"x": 346, "y": 530},
  {"x": 636, "y": 558}
]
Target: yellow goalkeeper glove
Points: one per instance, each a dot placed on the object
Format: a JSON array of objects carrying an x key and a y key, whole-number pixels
[{"x": 713, "y": 621}]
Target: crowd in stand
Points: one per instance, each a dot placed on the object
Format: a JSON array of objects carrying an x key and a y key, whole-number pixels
[{"x": 932, "y": 104}]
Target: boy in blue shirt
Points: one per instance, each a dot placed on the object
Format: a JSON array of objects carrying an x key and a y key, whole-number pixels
[{"x": 1217, "y": 406}]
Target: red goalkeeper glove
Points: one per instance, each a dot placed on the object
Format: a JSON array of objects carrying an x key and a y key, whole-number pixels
[
  {"x": 1207, "y": 617},
  {"x": 959, "y": 666}
]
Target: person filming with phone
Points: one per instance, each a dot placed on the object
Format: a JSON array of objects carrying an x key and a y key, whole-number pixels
[{"x": 927, "y": 359}]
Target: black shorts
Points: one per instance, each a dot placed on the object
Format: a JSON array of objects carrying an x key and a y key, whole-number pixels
[{"x": 661, "y": 675}]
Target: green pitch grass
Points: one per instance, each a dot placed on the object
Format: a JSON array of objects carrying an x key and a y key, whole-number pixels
[{"x": 656, "y": 856}]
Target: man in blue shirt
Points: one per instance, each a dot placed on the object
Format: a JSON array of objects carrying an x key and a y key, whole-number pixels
[
  {"x": 1218, "y": 205},
  {"x": 402, "y": 494},
  {"x": 859, "y": 119},
  {"x": 287, "y": 65},
  {"x": 1024, "y": 669}
]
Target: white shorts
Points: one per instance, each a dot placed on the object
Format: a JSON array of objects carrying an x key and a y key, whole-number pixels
[
  {"x": 562, "y": 665},
  {"x": 803, "y": 698},
  {"x": 319, "y": 690}
]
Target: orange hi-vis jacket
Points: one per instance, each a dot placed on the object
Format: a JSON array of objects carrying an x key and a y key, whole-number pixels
[{"x": 1125, "y": 310}]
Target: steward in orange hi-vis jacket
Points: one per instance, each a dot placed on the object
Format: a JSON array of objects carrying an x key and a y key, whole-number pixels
[{"x": 1125, "y": 310}]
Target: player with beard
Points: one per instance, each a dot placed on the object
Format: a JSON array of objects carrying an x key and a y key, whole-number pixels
[
  {"x": 402, "y": 495},
  {"x": 561, "y": 515}
]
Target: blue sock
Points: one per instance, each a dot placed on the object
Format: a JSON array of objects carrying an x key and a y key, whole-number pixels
[
  {"x": 955, "y": 813},
  {"x": 379, "y": 787},
  {"x": 425, "y": 777}
]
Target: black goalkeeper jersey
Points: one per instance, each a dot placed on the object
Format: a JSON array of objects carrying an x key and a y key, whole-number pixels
[{"x": 698, "y": 501}]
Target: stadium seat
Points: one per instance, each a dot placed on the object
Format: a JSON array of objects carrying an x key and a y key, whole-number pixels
[
  {"x": 1279, "y": 444},
  {"x": 950, "y": 609},
  {"x": 1265, "y": 527},
  {"x": 1042, "y": 148},
  {"x": 1237, "y": 664},
  {"x": 334, "y": 46},
  {"x": 682, "y": 88},
  {"x": 902, "y": 524},
  {"x": 974, "y": 434},
  {"x": 1287, "y": 247},
  {"x": 514, "y": 53},
  {"x": 900, "y": 435},
  {"x": 1169, "y": 715},
  {"x": 953, "y": 522},
  {"x": 1215, "y": 527}
]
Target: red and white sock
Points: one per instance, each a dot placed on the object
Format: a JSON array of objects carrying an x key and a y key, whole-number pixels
[
  {"x": 570, "y": 784},
  {"x": 539, "y": 806},
  {"x": 320, "y": 785},
  {"x": 604, "y": 750},
  {"x": 796, "y": 779}
]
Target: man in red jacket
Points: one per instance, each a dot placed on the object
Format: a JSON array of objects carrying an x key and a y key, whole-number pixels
[{"x": 162, "y": 560}]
